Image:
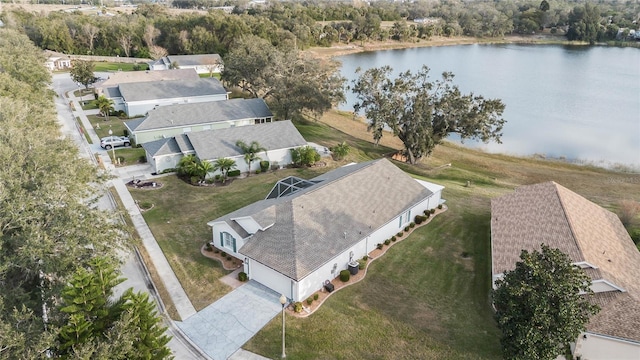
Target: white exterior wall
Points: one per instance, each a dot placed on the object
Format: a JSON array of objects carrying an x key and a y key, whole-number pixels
[
  {"x": 599, "y": 347},
  {"x": 220, "y": 227},
  {"x": 269, "y": 278},
  {"x": 314, "y": 281},
  {"x": 164, "y": 162},
  {"x": 142, "y": 137}
]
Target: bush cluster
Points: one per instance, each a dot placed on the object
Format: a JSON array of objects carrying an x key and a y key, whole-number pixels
[
  {"x": 379, "y": 246},
  {"x": 297, "y": 306},
  {"x": 316, "y": 296},
  {"x": 439, "y": 206},
  {"x": 407, "y": 228},
  {"x": 345, "y": 275},
  {"x": 224, "y": 254},
  {"x": 242, "y": 276},
  {"x": 393, "y": 238},
  {"x": 399, "y": 234},
  {"x": 233, "y": 173},
  {"x": 264, "y": 165},
  {"x": 387, "y": 242},
  {"x": 421, "y": 218},
  {"x": 309, "y": 301}
]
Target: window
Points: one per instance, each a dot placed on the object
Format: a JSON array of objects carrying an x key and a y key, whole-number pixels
[
  {"x": 228, "y": 241},
  {"x": 404, "y": 218}
]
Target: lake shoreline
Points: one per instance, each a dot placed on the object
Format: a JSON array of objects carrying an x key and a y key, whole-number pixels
[{"x": 354, "y": 48}]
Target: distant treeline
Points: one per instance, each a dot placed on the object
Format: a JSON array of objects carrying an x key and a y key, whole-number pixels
[{"x": 152, "y": 31}]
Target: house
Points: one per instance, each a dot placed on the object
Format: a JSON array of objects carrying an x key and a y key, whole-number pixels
[
  {"x": 595, "y": 240},
  {"x": 138, "y": 98},
  {"x": 203, "y": 63},
  {"x": 172, "y": 120},
  {"x": 125, "y": 77},
  {"x": 57, "y": 61},
  {"x": 306, "y": 231},
  {"x": 277, "y": 137}
]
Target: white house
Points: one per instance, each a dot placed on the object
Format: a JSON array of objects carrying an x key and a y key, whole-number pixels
[
  {"x": 138, "y": 98},
  {"x": 278, "y": 138},
  {"x": 125, "y": 77},
  {"x": 201, "y": 63},
  {"x": 172, "y": 120},
  {"x": 306, "y": 231},
  {"x": 595, "y": 240},
  {"x": 57, "y": 61}
]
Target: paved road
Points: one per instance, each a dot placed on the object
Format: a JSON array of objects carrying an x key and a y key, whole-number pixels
[{"x": 132, "y": 269}]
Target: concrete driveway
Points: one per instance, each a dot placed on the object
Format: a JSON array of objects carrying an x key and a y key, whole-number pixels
[{"x": 223, "y": 327}]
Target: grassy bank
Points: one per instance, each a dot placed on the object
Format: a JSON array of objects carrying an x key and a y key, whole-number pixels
[{"x": 428, "y": 297}]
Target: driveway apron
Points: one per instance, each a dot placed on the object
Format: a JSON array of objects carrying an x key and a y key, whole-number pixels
[{"x": 223, "y": 327}]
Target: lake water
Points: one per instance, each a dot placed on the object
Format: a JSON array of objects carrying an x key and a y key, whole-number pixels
[{"x": 579, "y": 103}]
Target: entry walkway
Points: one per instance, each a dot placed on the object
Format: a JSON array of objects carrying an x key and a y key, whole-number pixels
[{"x": 223, "y": 327}]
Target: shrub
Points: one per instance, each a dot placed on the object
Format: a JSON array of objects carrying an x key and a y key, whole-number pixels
[
  {"x": 426, "y": 212},
  {"x": 399, "y": 234},
  {"x": 257, "y": 171},
  {"x": 439, "y": 206},
  {"x": 362, "y": 264},
  {"x": 297, "y": 306},
  {"x": 393, "y": 238},
  {"x": 169, "y": 170},
  {"x": 233, "y": 173},
  {"x": 433, "y": 211},
  {"x": 208, "y": 247},
  {"x": 142, "y": 159},
  {"x": 407, "y": 228},
  {"x": 304, "y": 156},
  {"x": 275, "y": 166},
  {"x": 316, "y": 296},
  {"x": 387, "y": 242},
  {"x": 224, "y": 254},
  {"x": 242, "y": 276},
  {"x": 340, "y": 151},
  {"x": 264, "y": 165},
  {"x": 216, "y": 251},
  {"x": 195, "y": 179},
  {"x": 228, "y": 257},
  {"x": 365, "y": 258},
  {"x": 309, "y": 301},
  {"x": 379, "y": 246},
  {"x": 218, "y": 177},
  {"x": 345, "y": 275},
  {"x": 412, "y": 225}
]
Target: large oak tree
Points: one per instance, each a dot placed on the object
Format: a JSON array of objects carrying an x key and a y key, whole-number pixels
[{"x": 422, "y": 112}]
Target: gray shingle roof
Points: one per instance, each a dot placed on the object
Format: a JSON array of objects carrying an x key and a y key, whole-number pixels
[
  {"x": 166, "y": 146},
  {"x": 169, "y": 89},
  {"x": 220, "y": 143},
  {"x": 201, "y": 113},
  {"x": 123, "y": 77},
  {"x": 552, "y": 214},
  {"x": 192, "y": 60},
  {"x": 310, "y": 224}
]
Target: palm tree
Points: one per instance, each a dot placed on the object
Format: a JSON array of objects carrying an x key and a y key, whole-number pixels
[
  {"x": 105, "y": 105},
  {"x": 250, "y": 152},
  {"x": 340, "y": 151},
  {"x": 224, "y": 165},
  {"x": 203, "y": 168},
  {"x": 187, "y": 165}
]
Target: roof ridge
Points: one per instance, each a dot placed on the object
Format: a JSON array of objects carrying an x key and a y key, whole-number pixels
[{"x": 556, "y": 188}]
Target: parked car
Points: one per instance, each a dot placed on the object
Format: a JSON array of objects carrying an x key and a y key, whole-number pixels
[{"x": 114, "y": 141}]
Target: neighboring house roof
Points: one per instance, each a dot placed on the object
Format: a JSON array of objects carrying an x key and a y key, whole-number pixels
[
  {"x": 315, "y": 224},
  {"x": 171, "y": 116},
  {"x": 195, "y": 60},
  {"x": 215, "y": 144},
  {"x": 220, "y": 143},
  {"x": 124, "y": 77},
  {"x": 112, "y": 92},
  {"x": 169, "y": 89},
  {"x": 554, "y": 215}
]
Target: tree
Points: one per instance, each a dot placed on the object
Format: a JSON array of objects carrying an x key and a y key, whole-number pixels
[
  {"x": 584, "y": 24},
  {"x": 422, "y": 113},
  {"x": 544, "y": 5},
  {"x": 105, "y": 105},
  {"x": 340, "y": 151},
  {"x": 192, "y": 166},
  {"x": 250, "y": 152},
  {"x": 97, "y": 327},
  {"x": 291, "y": 82},
  {"x": 541, "y": 305},
  {"x": 82, "y": 72},
  {"x": 224, "y": 165},
  {"x": 304, "y": 156}
]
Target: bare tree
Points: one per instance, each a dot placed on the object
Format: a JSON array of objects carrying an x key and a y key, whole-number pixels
[
  {"x": 157, "y": 52},
  {"x": 150, "y": 35},
  {"x": 90, "y": 32},
  {"x": 126, "y": 40}
]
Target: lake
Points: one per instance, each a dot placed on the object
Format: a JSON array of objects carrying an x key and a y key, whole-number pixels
[{"x": 575, "y": 102}]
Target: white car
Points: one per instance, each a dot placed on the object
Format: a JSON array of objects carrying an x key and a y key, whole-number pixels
[{"x": 114, "y": 141}]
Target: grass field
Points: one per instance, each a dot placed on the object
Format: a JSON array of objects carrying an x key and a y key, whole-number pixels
[
  {"x": 423, "y": 299},
  {"x": 107, "y": 66}
]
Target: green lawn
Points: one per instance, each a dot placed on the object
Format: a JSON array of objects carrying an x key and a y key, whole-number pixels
[
  {"x": 108, "y": 66},
  {"x": 88, "y": 105},
  {"x": 423, "y": 299},
  {"x": 215, "y": 75},
  {"x": 179, "y": 219},
  {"x": 127, "y": 156},
  {"x": 102, "y": 126}
]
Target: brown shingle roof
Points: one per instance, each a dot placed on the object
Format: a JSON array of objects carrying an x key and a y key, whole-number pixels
[{"x": 554, "y": 215}]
